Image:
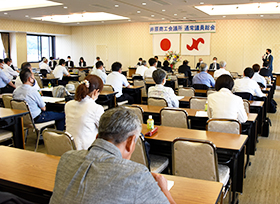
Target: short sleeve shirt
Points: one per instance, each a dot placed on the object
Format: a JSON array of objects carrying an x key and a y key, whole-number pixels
[{"x": 117, "y": 81}]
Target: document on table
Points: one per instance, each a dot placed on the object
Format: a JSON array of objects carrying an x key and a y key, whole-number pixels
[
  {"x": 201, "y": 114},
  {"x": 47, "y": 89},
  {"x": 170, "y": 184},
  {"x": 180, "y": 97},
  {"x": 48, "y": 99}
]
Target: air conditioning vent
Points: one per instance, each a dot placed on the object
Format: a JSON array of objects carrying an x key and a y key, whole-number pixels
[{"x": 161, "y": 2}]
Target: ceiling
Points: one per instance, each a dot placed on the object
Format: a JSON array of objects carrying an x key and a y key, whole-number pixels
[{"x": 175, "y": 10}]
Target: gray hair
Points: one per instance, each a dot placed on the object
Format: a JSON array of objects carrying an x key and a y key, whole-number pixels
[
  {"x": 203, "y": 67},
  {"x": 159, "y": 75},
  {"x": 117, "y": 124},
  {"x": 223, "y": 63}
]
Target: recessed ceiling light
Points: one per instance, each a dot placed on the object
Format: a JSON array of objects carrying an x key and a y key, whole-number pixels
[
  {"x": 184, "y": 17},
  {"x": 8, "y": 5},
  {"x": 116, "y": 5},
  {"x": 162, "y": 10},
  {"x": 78, "y": 23},
  {"x": 163, "y": 18},
  {"x": 175, "y": 14},
  {"x": 240, "y": 9},
  {"x": 201, "y": 3},
  {"x": 129, "y": 19},
  {"x": 261, "y": 15},
  {"x": 5, "y": 13},
  {"x": 65, "y": 7},
  {"x": 26, "y": 16},
  {"x": 224, "y": 16},
  {"x": 73, "y": 18},
  {"x": 152, "y": 15},
  {"x": 138, "y": 11},
  {"x": 144, "y": 4}
]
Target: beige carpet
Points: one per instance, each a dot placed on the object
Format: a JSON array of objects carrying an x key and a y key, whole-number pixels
[{"x": 262, "y": 185}]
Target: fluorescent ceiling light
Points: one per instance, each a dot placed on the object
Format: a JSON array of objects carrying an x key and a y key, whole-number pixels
[
  {"x": 84, "y": 17},
  {"x": 254, "y": 8},
  {"x": 9, "y": 5}
]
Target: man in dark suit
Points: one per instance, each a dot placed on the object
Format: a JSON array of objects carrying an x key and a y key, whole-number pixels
[
  {"x": 214, "y": 65},
  {"x": 268, "y": 59},
  {"x": 52, "y": 63},
  {"x": 184, "y": 68},
  {"x": 69, "y": 63},
  {"x": 199, "y": 62},
  {"x": 158, "y": 62}
]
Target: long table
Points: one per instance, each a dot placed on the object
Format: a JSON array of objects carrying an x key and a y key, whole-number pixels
[
  {"x": 229, "y": 146},
  {"x": 31, "y": 175},
  {"x": 11, "y": 119}
]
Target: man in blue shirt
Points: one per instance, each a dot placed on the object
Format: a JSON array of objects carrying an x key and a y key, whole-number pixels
[
  {"x": 6, "y": 84},
  {"x": 35, "y": 102},
  {"x": 203, "y": 77}
]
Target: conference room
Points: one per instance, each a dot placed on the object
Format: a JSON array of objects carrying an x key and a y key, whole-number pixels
[{"x": 238, "y": 33}]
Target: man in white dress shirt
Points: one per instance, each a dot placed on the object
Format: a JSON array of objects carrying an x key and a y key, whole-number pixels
[
  {"x": 160, "y": 91},
  {"x": 142, "y": 68},
  {"x": 257, "y": 77},
  {"x": 59, "y": 71},
  {"x": 45, "y": 65},
  {"x": 247, "y": 84},
  {"x": 117, "y": 81},
  {"x": 8, "y": 70},
  {"x": 222, "y": 70},
  {"x": 224, "y": 104},
  {"x": 18, "y": 82},
  {"x": 98, "y": 71},
  {"x": 149, "y": 72}
]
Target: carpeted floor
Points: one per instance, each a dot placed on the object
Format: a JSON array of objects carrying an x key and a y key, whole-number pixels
[{"x": 262, "y": 184}]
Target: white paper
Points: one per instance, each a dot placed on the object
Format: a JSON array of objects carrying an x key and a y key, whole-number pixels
[
  {"x": 170, "y": 184},
  {"x": 47, "y": 89},
  {"x": 180, "y": 97},
  {"x": 201, "y": 114},
  {"x": 48, "y": 99}
]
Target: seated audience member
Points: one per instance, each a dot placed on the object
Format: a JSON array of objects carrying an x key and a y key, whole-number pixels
[
  {"x": 8, "y": 70},
  {"x": 200, "y": 61},
  {"x": 1, "y": 64},
  {"x": 97, "y": 59},
  {"x": 45, "y": 66},
  {"x": 247, "y": 84},
  {"x": 203, "y": 77},
  {"x": 214, "y": 65},
  {"x": 69, "y": 62},
  {"x": 257, "y": 77},
  {"x": 59, "y": 71},
  {"x": 139, "y": 63},
  {"x": 12, "y": 66},
  {"x": 266, "y": 72},
  {"x": 166, "y": 67},
  {"x": 117, "y": 81},
  {"x": 184, "y": 68},
  {"x": 98, "y": 71},
  {"x": 18, "y": 82},
  {"x": 158, "y": 62},
  {"x": 82, "y": 62},
  {"x": 36, "y": 104},
  {"x": 104, "y": 173},
  {"x": 160, "y": 91},
  {"x": 142, "y": 68},
  {"x": 83, "y": 114},
  {"x": 222, "y": 70},
  {"x": 223, "y": 103},
  {"x": 6, "y": 85},
  {"x": 149, "y": 72},
  {"x": 52, "y": 63}
]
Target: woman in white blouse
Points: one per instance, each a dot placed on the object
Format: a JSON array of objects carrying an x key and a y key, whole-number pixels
[
  {"x": 223, "y": 103},
  {"x": 83, "y": 114}
]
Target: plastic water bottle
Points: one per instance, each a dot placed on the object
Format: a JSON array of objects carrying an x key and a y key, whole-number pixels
[
  {"x": 150, "y": 123},
  {"x": 206, "y": 106},
  {"x": 49, "y": 85}
]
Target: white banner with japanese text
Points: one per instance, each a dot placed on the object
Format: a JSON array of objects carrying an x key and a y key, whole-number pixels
[{"x": 169, "y": 28}]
